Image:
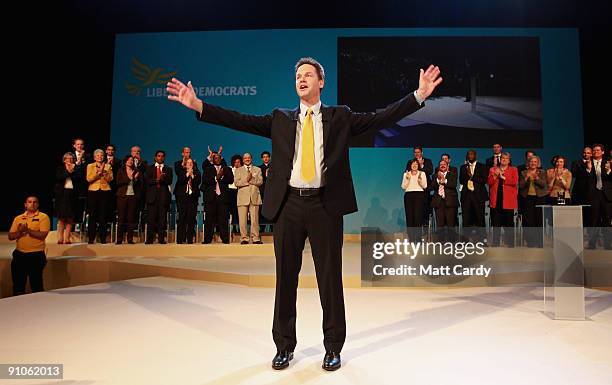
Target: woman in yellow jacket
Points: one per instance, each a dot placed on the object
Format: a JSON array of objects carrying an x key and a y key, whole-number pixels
[{"x": 99, "y": 175}]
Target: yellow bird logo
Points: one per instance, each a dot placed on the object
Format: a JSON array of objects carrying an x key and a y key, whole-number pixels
[{"x": 147, "y": 77}]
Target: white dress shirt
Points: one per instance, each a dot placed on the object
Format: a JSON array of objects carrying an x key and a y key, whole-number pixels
[{"x": 320, "y": 168}]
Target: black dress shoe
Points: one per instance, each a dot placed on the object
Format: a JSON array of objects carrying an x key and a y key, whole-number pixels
[
  {"x": 281, "y": 360},
  {"x": 258, "y": 242},
  {"x": 244, "y": 242},
  {"x": 331, "y": 361},
  {"x": 162, "y": 242},
  {"x": 130, "y": 242}
]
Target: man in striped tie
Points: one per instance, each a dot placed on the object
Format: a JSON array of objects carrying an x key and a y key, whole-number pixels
[{"x": 309, "y": 189}]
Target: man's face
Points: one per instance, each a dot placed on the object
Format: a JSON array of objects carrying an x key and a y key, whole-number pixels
[
  {"x": 237, "y": 163},
  {"x": 587, "y": 153},
  {"x": 110, "y": 151},
  {"x": 247, "y": 159},
  {"x": 186, "y": 153},
  {"x": 160, "y": 157},
  {"x": 529, "y": 155},
  {"x": 31, "y": 204},
  {"x": 307, "y": 82},
  {"x": 597, "y": 152},
  {"x": 471, "y": 156},
  {"x": 135, "y": 152},
  {"x": 497, "y": 148},
  {"x": 443, "y": 166},
  {"x": 79, "y": 145},
  {"x": 216, "y": 159},
  {"x": 265, "y": 158},
  {"x": 418, "y": 153},
  {"x": 446, "y": 158}
]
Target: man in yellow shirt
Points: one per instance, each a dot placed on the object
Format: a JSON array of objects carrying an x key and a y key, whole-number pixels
[{"x": 30, "y": 230}]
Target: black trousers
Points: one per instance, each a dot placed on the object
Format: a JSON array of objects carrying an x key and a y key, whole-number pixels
[
  {"x": 187, "y": 206},
  {"x": 414, "y": 204},
  {"x": 446, "y": 218},
  {"x": 600, "y": 216},
  {"x": 532, "y": 220},
  {"x": 501, "y": 217},
  {"x": 157, "y": 219},
  {"x": 97, "y": 205},
  {"x": 26, "y": 265},
  {"x": 216, "y": 214},
  {"x": 127, "y": 207},
  {"x": 301, "y": 218},
  {"x": 473, "y": 214}
]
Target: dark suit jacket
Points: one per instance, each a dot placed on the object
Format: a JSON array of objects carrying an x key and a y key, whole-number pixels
[
  {"x": 591, "y": 185},
  {"x": 209, "y": 183},
  {"x": 450, "y": 191},
  {"x": 123, "y": 181},
  {"x": 489, "y": 163},
  {"x": 164, "y": 182},
  {"x": 581, "y": 181},
  {"x": 479, "y": 178},
  {"x": 180, "y": 189},
  {"x": 339, "y": 125}
]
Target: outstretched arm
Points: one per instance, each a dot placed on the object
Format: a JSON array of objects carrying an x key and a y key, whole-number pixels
[
  {"x": 428, "y": 81},
  {"x": 185, "y": 94}
]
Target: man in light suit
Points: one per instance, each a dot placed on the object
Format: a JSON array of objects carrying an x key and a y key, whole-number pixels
[
  {"x": 248, "y": 178},
  {"x": 308, "y": 190}
]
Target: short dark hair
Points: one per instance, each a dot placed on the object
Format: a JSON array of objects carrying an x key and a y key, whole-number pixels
[
  {"x": 418, "y": 148},
  {"x": 265, "y": 153},
  {"x": 598, "y": 145},
  {"x": 31, "y": 196},
  {"x": 234, "y": 157},
  {"x": 313, "y": 62},
  {"x": 445, "y": 154},
  {"x": 111, "y": 145},
  {"x": 158, "y": 151},
  {"x": 75, "y": 140},
  {"x": 125, "y": 158},
  {"x": 529, "y": 151}
]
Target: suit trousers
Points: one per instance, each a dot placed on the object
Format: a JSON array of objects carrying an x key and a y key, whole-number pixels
[
  {"x": 299, "y": 218},
  {"x": 157, "y": 218},
  {"x": 242, "y": 218},
  {"x": 187, "y": 206},
  {"x": 97, "y": 204},
  {"x": 216, "y": 214},
  {"x": 600, "y": 216}
]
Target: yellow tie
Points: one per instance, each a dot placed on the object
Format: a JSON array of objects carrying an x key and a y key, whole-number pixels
[{"x": 308, "y": 159}]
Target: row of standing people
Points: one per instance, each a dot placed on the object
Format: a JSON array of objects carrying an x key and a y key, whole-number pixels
[
  {"x": 105, "y": 186},
  {"x": 507, "y": 188}
]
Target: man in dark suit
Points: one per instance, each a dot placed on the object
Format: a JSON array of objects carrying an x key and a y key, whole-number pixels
[
  {"x": 78, "y": 177},
  {"x": 599, "y": 197},
  {"x": 158, "y": 179},
  {"x": 581, "y": 181},
  {"x": 308, "y": 190},
  {"x": 216, "y": 179},
  {"x": 115, "y": 163},
  {"x": 473, "y": 179},
  {"x": 266, "y": 163},
  {"x": 494, "y": 160},
  {"x": 142, "y": 166},
  {"x": 444, "y": 200}
]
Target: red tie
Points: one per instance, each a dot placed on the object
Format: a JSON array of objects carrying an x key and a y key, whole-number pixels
[{"x": 158, "y": 174}]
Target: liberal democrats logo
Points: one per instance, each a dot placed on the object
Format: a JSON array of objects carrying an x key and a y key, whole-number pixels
[{"x": 146, "y": 77}]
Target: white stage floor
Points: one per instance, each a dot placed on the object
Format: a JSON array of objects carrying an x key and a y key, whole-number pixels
[{"x": 172, "y": 331}]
